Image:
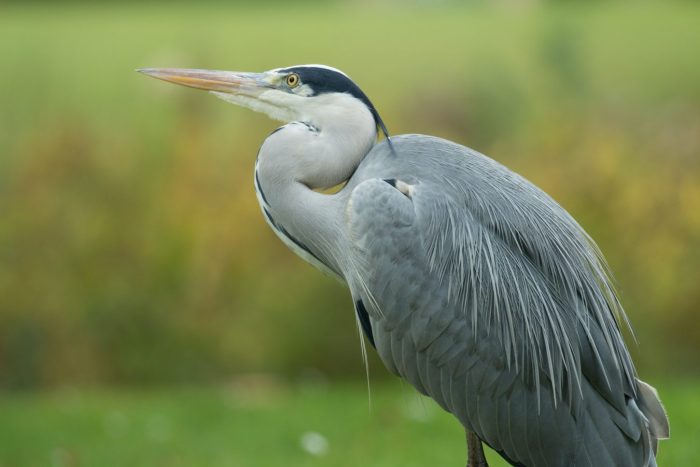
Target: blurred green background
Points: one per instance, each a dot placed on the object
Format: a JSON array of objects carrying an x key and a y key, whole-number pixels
[{"x": 145, "y": 303}]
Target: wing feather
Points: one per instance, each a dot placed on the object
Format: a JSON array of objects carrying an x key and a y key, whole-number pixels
[{"x": 500, "y": 304}]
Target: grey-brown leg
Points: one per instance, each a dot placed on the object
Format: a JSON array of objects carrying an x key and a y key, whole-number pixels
[{"x": 475, "y": 452}]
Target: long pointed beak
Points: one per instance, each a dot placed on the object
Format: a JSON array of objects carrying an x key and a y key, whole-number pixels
[{"x": 229, "y": 82}]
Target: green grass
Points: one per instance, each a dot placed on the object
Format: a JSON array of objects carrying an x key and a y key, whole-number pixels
[{"x": 260, "y": 422}]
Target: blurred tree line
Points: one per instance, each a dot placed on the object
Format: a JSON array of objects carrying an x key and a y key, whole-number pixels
[{"x": 132, "y": 249}]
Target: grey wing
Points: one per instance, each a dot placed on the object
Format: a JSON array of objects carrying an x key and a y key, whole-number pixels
[{"x": 491, "y": 333}]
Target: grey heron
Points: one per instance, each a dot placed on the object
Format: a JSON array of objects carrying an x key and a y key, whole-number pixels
[{"x": 471, "y": 283}]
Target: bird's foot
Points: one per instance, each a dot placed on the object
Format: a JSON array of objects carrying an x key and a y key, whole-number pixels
[{"x": 475, "y": 451}]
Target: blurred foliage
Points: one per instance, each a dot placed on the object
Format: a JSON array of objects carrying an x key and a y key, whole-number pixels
[{"x": 132, "y": 249}]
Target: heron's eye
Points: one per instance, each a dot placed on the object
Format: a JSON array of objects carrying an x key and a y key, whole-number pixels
[{"x": 292, "y": 80}]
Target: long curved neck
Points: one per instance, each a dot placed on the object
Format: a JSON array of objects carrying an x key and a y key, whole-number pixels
[
  {"x": 300, "y": 157},
  {"x": 325, "y": 146}
]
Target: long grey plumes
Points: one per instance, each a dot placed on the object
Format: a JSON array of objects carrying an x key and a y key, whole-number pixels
[
  {"x": 483, "y": 293},
  {"x": 514, "y": 258},
  {"x": 472, "y": 284}
]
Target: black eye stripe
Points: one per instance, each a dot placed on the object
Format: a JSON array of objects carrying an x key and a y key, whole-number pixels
[{"x": 324, "y": 80}]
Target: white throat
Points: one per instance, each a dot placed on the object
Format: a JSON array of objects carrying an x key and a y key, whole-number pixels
[{"x": 338, "y": 131}]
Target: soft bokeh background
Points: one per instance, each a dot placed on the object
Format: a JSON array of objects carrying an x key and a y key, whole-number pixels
[{"x": 148, "y": 316}]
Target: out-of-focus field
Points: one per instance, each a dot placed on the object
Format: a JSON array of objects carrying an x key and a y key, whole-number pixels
[
  {"x": 262, "y": 424},
  {"x": 131, "y": 245},
  {"x": 133, "y": 253}
]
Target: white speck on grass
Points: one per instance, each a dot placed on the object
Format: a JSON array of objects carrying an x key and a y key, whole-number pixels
[
  {"x": 314, "y": 443},
  {"x": 158, "y": 428},
  {"x": 116, "y": 424},
  {"x": 61, "y": 457},
  {"x": 419, "y": 409}
]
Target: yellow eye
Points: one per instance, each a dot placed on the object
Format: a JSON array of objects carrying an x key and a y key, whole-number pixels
[{"x": 292, "y": 80}]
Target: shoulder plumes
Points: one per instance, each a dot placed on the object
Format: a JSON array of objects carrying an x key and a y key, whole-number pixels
[{"x": 521, "y": 267}]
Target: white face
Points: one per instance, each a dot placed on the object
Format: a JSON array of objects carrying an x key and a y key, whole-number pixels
[
  {"x": 278, "y": 105},
  {"x": 285, "y": 97},
  {"x": 311, "y": 93}
]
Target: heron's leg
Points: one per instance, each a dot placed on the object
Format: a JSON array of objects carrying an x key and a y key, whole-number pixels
[{"x": 475, "y": 452}]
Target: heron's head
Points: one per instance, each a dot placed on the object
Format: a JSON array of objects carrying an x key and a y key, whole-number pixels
[{"x": 310, "y": 93}]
